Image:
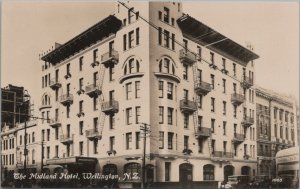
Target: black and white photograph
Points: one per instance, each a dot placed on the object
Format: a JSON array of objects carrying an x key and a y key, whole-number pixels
[{"x": 150, "y": 94}]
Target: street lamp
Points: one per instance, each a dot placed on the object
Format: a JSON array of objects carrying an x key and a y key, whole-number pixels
[{"x": 26, "y": 99}]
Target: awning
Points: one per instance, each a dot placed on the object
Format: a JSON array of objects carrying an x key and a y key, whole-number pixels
[
  {"x": 204, "y": 35},
  {"x": 104, "y": 28},
  {"x": 71, "y": 160}
]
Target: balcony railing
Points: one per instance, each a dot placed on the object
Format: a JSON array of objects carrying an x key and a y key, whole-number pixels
[
  {"x": 246, "y": 82},
  {"x": 188, "y": 106},
  {"x": 110, "y": 107},
  {"x": 237, "y": 99},
  {"x": 238, "y": 138},
  {"x": 93, "y": 134},
  {"x": 202, "y": 88},
  {"x": 187, "y": 57},
  {"x": 220, "y": 155},
  {"x": 55, "y": 123},
  {"x": 66, "y": 139},
  {"x": 66, "y": 99},
  {"x": 92, "y": 90},
  {"x": 247, "y": 121},
  {"x": 54, "y": 84},
  {"x": 110, "y": 58},
  {"x": 203, "y": 132}
]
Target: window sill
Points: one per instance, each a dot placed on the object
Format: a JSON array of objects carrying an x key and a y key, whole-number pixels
[
  {"x": 162, "y": 21},
  {"x": 129, "y": 76}
]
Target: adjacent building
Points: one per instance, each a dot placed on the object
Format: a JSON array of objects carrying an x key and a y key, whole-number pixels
[
  {"x": 151, "y": 63},
  {"x": 276, "y": 128}
]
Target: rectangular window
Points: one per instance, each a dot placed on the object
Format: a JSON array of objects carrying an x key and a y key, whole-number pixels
[
  {"x": 170, "y": 140},
  {"x": 111, "y": 143},
  {"x": 130, "y": 39},
  {"x": 200, "y": 101},
  {"x": 212, "y": 77},
  {"x": 81, "y": 106},
  {"x": 129, "y": 116},
  {"x": 161, "y": 114},
  {"x": 111, "y": 121},
  {"x": 212, "y": 58},
  {"x": 185, "y": 72},
  {"x": 137, "y": 140},
  {"x": 95, "y": 55},
  {"x": 95, "y": 103},
  {"x": 159, "y": 36},
  {"x": 137, "y": 114},
  {"x": 173, "y": 41},
  {"x": 170, "y": 116},
  {"x": 224, "y": 108},
  {"x": 199, "y": 53},
  {"x": 48, "y": 152},
  {"x": 137, "y": 34},
  {"x": 124, "y": 42},
  {"x": 224, "y": 85},
  {"x": 185, "y": 121},
  {"x": 161, "y": 139},
  {"x": 48, "y": 134},
  {"x": 167, "y": 171},
  {"x": 81, "y": 127},
  {"x": 161, "y": 89},
  {"x": 213, "y": 125},
  {"x": 224, "y": 127},
  {"x": 137, "y": 89},
  {"x": 234, "y": 111},
  {"x": 56, "y": 133},
  {"x": 80, "y": 63},
  {"x": 128, "y": 141},
  {"x": 224, "y": 147},
  {"x": 81, "y": 148},
  {"x": 159, "y": 15},
  {"x": 111, "y": 73},
  {"x": 212, "y": 104},
  {"x": 95, "y": 146},
  {"x": 68, "y": 111},
  {"x": 130, "y": 15},
  {"x": 128, "y": 91},
  {"x": 186, "y": 142},
  {"x": 166, "y": 15},
  {"x": 170, "y": 91},
  {"x": 166, "y": 39},
  {"x": 224, "y": 63}
]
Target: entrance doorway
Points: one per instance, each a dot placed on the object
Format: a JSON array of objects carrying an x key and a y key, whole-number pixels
[
  {"x": 228, "y": 171},
  {"x": 186, "y": 174},
  {"x": 245, "y": 170}
]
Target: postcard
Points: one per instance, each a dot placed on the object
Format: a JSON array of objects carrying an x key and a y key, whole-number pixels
[{"x": 149, "y": 94}]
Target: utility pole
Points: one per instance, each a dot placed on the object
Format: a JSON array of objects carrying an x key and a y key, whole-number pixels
[{"x": 145, "y": 129}]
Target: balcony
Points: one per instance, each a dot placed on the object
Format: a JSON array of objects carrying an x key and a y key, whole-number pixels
[
  {"x": 247, "y": 121},
  {"x": 95, "y": 63},
  {"x": 110, "y": 107},
  {"x": 93, "y": 134},
  {"x": 238, "y": 138},
  {"x": 187, "y": 57},
  {"x": 110, "y": 58},
  {"x": 237, "y": 99},
  {"x": 247, "y": 82},
  {"x": 221, "y": 156},
  {"x": 202, "y": 88},
  {"x": 66, "y": 139},
  {"x": 66, "y": 99},
  {"x": 55, "y": 123},
  {"x": 187, "y": 106},
  {"x": 203, "y": 132},
  {"x": 54, "y": 84},
  {"x": 92, "y": 90}
]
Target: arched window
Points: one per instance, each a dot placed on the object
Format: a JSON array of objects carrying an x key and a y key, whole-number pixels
[
  {"x": 132, "y": 168},
  {"x": 208, "y": 172},
  {"x": 110, "y": 169},
  {"x": 132, "y": 66},
  {"x": 46, "y": 99},
  {"x": 166, "y": 65}
]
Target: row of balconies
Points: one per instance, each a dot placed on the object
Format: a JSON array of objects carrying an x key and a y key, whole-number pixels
[
  {"x": 108, "y": 59},
  {"x": 91, "y": 134}
]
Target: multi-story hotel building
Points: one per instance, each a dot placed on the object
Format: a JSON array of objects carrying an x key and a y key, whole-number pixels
[
  {"x": 151, "y": 63},
  {"x": 276, "y": 128}
]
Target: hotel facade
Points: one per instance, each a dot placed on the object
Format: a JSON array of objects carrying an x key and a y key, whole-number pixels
[{"x": 149, "y": 65}]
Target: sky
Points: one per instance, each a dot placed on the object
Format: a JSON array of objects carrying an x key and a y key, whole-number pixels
[{"x": 28, "y": 28}]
